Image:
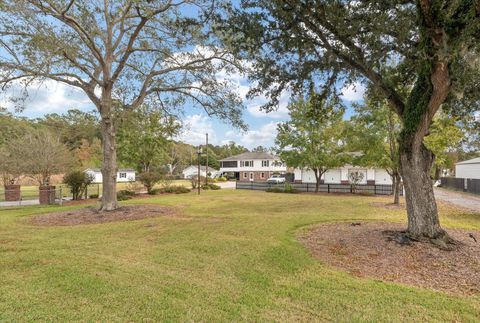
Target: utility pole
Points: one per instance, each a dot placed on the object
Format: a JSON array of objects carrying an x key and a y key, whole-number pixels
[
  {"x": 206, "y": 152},
  {"x": 199, "y": 152}
]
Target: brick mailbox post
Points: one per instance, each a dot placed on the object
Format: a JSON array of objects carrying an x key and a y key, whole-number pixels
[
  {"x": 47, "y": 194},
  {"x": 12, "y": 192}
]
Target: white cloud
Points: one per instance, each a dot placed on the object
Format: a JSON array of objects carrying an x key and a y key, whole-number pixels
[
  {"x": 353, "y": 92},
  {"x": 195, "y": 128},
  {"x": 264, "y": 136},
  {"x": 47, "y": 97}
]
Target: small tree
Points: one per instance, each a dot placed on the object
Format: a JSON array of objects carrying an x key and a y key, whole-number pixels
[
  {"x": 355, "y": 178},
  {"x": 40, "y": 154},
  {"x": 78, "y": 182},
  {"x": 149, "y": 180},
  {"x": 313, "y": 137}
]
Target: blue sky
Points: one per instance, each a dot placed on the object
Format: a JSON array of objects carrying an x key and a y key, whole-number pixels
[{"x": 53, "y": 97}]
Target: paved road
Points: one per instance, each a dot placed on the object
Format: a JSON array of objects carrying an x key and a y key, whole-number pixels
[{"x": 465, "y": 200}]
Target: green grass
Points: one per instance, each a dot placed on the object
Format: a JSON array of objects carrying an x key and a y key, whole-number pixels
[{"x": 233, "y": 256}]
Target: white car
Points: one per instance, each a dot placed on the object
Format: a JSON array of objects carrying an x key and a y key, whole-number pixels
[{"x": 276, "y": 179}]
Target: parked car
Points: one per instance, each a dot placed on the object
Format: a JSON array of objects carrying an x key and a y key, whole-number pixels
[{"x": 276, "y": 179}]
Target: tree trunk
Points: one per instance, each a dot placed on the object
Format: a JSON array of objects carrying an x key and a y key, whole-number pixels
[
  {"x": 416, "y": 163},
  {"x": 317, "y": 179},
  {"x": 397, "y": 186},
  {"x": 109, "y": 166}
]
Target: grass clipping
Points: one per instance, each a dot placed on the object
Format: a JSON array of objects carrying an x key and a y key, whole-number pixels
[
  {"x": 91, "y": 215},
  {"x": 370, "y": 250}
]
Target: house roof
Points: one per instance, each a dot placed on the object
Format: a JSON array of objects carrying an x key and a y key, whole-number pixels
[
  {"x": 470, "y": 161},
  {"x": 250, "y": 155},
  {"x": 202, "y": 168},
  {"x": 98, "y": 170}
]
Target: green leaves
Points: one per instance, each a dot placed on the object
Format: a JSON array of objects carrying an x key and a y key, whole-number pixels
[{"x": 313, "y": 138}]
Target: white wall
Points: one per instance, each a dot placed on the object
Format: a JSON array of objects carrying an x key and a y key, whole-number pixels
[
  {"x": 467, "y": 171},
  {"x": 335, "y": 176},
  {"x": 192, "y": 171},
  {"x": 257, "y": 166},
  {"x": 98, "y": 178}
]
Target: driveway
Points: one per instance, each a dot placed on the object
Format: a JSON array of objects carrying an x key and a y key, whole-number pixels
[
  {"x": 228, "y": 185},
  {"x": 465, "y": 200}
]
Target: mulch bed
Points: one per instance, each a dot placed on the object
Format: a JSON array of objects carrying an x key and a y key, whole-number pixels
[
  {"x": 91, "y": 215},
  {"x": 370, "y": 250}
]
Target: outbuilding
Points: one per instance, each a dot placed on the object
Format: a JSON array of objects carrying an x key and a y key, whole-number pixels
[
  {"x": 192, "y": 171},
  {"x": 468, "y": 169},
  {"x": 123, "y": 175}
]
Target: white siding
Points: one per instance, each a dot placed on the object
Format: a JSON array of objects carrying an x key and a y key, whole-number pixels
[
  {"x": 382, "y": 177},
  {"x": 333, "y": 176},
  {"x": 361, "y": 171},
  {"x": 98, "y": 178},
  {"x": 192, "y": 171},
  {"x": 467, "y": 171},
  {"x": 257, "y": 166}
]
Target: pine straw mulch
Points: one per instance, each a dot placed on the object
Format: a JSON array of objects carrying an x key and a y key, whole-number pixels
[
  {"x": 91, "y": 215},
  {"x": 371, "y": 250}
]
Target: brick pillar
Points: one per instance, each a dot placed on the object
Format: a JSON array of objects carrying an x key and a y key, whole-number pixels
[
  {"x": 47, "y": 194},
  {"x": 12, "y": 192}
]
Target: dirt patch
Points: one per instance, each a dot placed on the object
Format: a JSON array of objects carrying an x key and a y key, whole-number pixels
[
  {"x": 388, "y": 206},
  {"x": 371, "y": 250},
  {"x": 91, "y": 215}
]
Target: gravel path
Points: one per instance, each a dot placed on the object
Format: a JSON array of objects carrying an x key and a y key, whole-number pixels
[{"x": 465, "y": 200}]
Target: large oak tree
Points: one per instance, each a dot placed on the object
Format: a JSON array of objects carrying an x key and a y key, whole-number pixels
[
  {"x": 428, "y": 46},
  {"x": 122, "y": 51}
]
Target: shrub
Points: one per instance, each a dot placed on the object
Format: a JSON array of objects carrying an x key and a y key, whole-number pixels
[
  {"x": 274, "y": 190},
  {"x": 222, "y": 179},
  {"x": 124, "y": 195},
  {"x": 287, "y": 189},
  {"x": 93, "y": 196},
  {"x": 177, "y": 189},
  {"x": 77, "y": 181},
  {"x": 194, "y": 181},
  {"x": 166, "y": 181},
  {"x": 210, "y": 186},
  {"x": 155, "y": 191},
  {"x": 290, "y": 189},
  {"x": 149, "y": 179}
]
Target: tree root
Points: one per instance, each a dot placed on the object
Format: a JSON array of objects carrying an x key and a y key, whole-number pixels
[{"x": 442, "y": 241}]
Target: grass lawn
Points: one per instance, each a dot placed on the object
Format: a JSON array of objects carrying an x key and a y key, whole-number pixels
[{"x": 233, "y": 256}]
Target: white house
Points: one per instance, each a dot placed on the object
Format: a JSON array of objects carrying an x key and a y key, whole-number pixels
[
  {"x": 192, "y": 171},
  {"x": 123, "y": 175},
  {"x": 468, "y": 169},
  {"x": 341, "y": 175},
  {"x": 252, "y": 166}
]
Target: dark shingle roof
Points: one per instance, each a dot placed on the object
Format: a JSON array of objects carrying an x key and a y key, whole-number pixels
[{"x": 250, "y": 155}]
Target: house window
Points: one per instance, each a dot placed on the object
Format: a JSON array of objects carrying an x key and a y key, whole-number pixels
[
  {"x": 262, "y": 175},
  {"x": 246, "y": 163},
  {"x": 122, "y": 175},
  {"x": 251, "y": 176},
  {"x": 244, "y": 175},
  {"x": 265, "y": 163}
]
